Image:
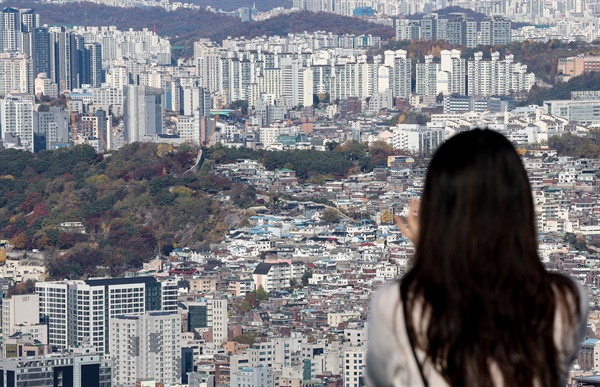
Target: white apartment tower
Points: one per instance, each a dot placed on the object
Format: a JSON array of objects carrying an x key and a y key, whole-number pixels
[
  {"x": 16, "y": 121},
  {"x": 401, "y": 73},
  {"x": 296, "y": 82},
  {"x": 454, "y": 69},
  {"x": 147, "y": 346},
  {"x": 420, "y": 139},
  {"x": 427, "y": 77},
  {"x": 207, "y": 56},
  {"x": 16, "y": 74}
]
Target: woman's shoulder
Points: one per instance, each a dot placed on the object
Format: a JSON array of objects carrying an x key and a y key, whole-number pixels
[{"x": 387, "y": 296}]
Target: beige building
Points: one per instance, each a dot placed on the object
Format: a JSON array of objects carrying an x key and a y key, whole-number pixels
[
  {"x": 589, "y": 355},
  {"x": 334, "y": 319}
]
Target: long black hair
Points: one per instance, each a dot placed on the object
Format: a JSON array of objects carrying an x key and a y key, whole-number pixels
[{"x": 486, "y": 299}]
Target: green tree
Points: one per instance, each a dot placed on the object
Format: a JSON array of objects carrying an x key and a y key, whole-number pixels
[
  {"x": 248, "y": 337},
  {"x": 261, "y": 294},
  {"x": 306, "y": 276},
  {"x": 330, "y": 215}
]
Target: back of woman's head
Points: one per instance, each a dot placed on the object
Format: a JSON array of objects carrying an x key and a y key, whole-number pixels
[{"x": 476, "y": 267}]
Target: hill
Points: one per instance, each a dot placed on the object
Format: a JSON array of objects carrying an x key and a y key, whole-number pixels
[
  {"x": 132, "y": 204},
  {"x": 138, "y": 201},
  {"x": 183, "y": 27}
]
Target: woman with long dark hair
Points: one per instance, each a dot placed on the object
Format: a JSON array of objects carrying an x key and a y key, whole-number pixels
[{"x": 477, "y": 307}]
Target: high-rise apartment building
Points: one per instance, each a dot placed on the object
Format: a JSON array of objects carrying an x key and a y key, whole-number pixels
[
  {"x": 400, "y": 72},
  {"x": 456, "y": 28},
  {"x": 16, "y": 27},
  {"x": 16, "y": 121},
  {"x": 147, "y": 346},
  {"x": 427, "y": 77},
  {"x": 143, "y": 112},
  {"x": 16, "y": 74},
  {"x": 455, "y": 71},
  {"x": 495, "y": 30},
  {"x": 78, "y": 312},
  {"x": 296, "y": 82}
]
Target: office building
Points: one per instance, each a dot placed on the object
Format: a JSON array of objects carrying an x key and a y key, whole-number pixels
[
  {"x": 89, "y": 65},
  {"x": 51, "y": 128},
  {"x": 147, "y": 346},
  {"x": 143, "y": 112},
  {"x": 78, "y": 312},
  {"x": 584, "y": 112},
  {"x": 209, "y": 313},
  {"x": 21, "y": 314},
  {"x": 253, "y": 376},
  {"x": 56, "y": 370},
  {"x": 16, "y": 120},
  {"x": 41, "y": 51},
  {"x": 63, "y": 57}
]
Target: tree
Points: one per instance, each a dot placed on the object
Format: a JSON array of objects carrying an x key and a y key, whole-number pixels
[
  {"x": 247, "y": 337},
  {"x": 261, "y": 294},
  {"x": 251, "y": 299},
  {"x": 330, "y": 215},
  {"x": 19, "y": 241},
  {"x": 306, "y": 276},
  {"x": 27, "y": 287},
  {"x": 241, "y": 305},
  {"x": 386, "y": 217}
]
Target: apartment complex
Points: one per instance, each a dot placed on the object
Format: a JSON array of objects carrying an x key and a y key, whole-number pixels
[
  {"x": 78, "y": 312},
  {"x": 456, "y": 28},
  {"x": 497, "y": 77}
]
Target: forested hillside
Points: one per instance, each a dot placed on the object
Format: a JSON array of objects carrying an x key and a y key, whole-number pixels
[{"x": 132, "y": 203}]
